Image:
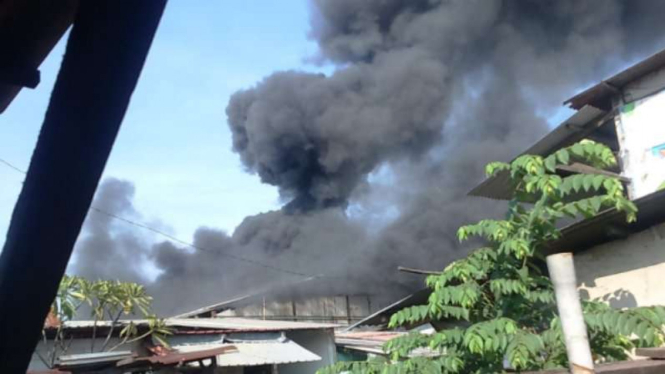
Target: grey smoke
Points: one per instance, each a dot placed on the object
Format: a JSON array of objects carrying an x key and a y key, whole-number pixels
[
  {"x": 108, "y": 249},
  {"x": 429, "y": 90}
]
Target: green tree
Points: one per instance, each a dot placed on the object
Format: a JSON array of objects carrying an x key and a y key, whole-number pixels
[
  {"x": 107, "y": 301},
  {"x": 501, "y": 302}
]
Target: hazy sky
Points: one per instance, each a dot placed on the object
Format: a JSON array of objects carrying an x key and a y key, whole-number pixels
[{"x": 174, "y": 144}]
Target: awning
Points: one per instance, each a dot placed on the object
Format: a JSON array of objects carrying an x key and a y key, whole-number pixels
[
  {"x": 92, "y": 360},
  {"x": 570, "y": 131},
  {"x": 601, "y": 94},
  {"x": 258, "y": 353}
]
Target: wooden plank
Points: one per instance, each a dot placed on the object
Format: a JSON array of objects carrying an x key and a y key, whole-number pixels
[
  {"x": 580, "y": 168},
  {"x": 418, "y": 271},
  {"x": 654, "y": 353},
  {"x": 359, "y": 307}
]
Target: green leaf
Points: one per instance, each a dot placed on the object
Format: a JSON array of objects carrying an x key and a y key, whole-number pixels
[
  {"x": 563, "y": 156},
  {"x": 598, "y": 182},
  {"x": 587, "y": 182},
  {"x": 577, "y": 182},
  {"x": 550, "y": 163}
]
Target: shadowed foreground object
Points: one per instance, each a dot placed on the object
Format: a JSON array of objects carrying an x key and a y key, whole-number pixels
[{"x": 105, "y": 54}]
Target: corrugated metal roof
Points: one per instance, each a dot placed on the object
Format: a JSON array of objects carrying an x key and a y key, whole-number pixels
[
  {"x": 74, "y": 325},
  {"x": 570, "y": 131},
  {"x": 366, "y": 338},
  {"x": 601, "y": 94},
  {"x": 92, "y": 359},
  {"x": 220, "y": 323},
  {"x": 256, "y": 354}
]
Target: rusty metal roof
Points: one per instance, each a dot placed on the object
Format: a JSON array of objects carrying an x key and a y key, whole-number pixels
[
  {"x": 358, "y": 337},
  {"x": 570, "y": 131},
  {"x": 373, "y": 342},
  {"x": 367, "y": 341},
  {"x": 601, "y": 94}
]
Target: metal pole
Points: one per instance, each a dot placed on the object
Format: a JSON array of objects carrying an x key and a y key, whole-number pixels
[{"x": 562, "y": 273}]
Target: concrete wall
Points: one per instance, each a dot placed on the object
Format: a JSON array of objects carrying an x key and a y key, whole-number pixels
[
  {"x": 320, "y": 342},
  {"x": 625, "y": 273},
  {"x": 341, "y": 310}
]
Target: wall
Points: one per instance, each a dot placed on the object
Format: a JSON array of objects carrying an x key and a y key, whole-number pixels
[
  {"x": 333, "y": 309},
  {"x": 625, "y": 273},
  {"x": 321, "y": 342}
]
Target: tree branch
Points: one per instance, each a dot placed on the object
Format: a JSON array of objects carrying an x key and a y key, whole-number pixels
[{"x": 418, "y": 271}]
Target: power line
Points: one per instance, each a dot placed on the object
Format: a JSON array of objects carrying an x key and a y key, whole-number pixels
[
  {"x": 180, "y": 241},
  {"x": 12, "y": 166}
]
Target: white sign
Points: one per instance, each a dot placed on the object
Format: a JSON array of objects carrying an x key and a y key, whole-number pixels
[{"x": 641, "y": 132}]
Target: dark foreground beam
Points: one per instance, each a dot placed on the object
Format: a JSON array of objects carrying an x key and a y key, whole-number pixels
[
  {"x": 105, "y": 54},
  {"x": 29, "y": 29}
]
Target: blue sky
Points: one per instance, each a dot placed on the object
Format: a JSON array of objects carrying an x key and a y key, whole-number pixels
[{"x": 174, "y": 144}]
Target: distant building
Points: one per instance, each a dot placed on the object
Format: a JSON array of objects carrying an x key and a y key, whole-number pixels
[
  {"x": 341, "y": 310},
  {"x": 296, "y": 302}
]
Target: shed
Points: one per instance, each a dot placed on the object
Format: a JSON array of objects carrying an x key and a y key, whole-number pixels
[{"x": 240, "y": 345}]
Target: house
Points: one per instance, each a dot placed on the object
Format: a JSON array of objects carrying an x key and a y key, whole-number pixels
[
  {"x": 341, "y": 309},
  {"x": 615, "y": 261},
  {"x": 197, "y": 345}
]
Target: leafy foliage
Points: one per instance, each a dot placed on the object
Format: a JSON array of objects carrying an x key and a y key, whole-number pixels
[
  {"x": 107, "y": 301},
  {"x": 503, "y": 304}
]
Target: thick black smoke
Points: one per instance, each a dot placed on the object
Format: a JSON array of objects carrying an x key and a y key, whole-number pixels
[{"x": 374, "y": 160}]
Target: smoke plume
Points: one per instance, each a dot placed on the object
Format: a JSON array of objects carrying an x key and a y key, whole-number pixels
[{"x": 374, "y": 160}]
